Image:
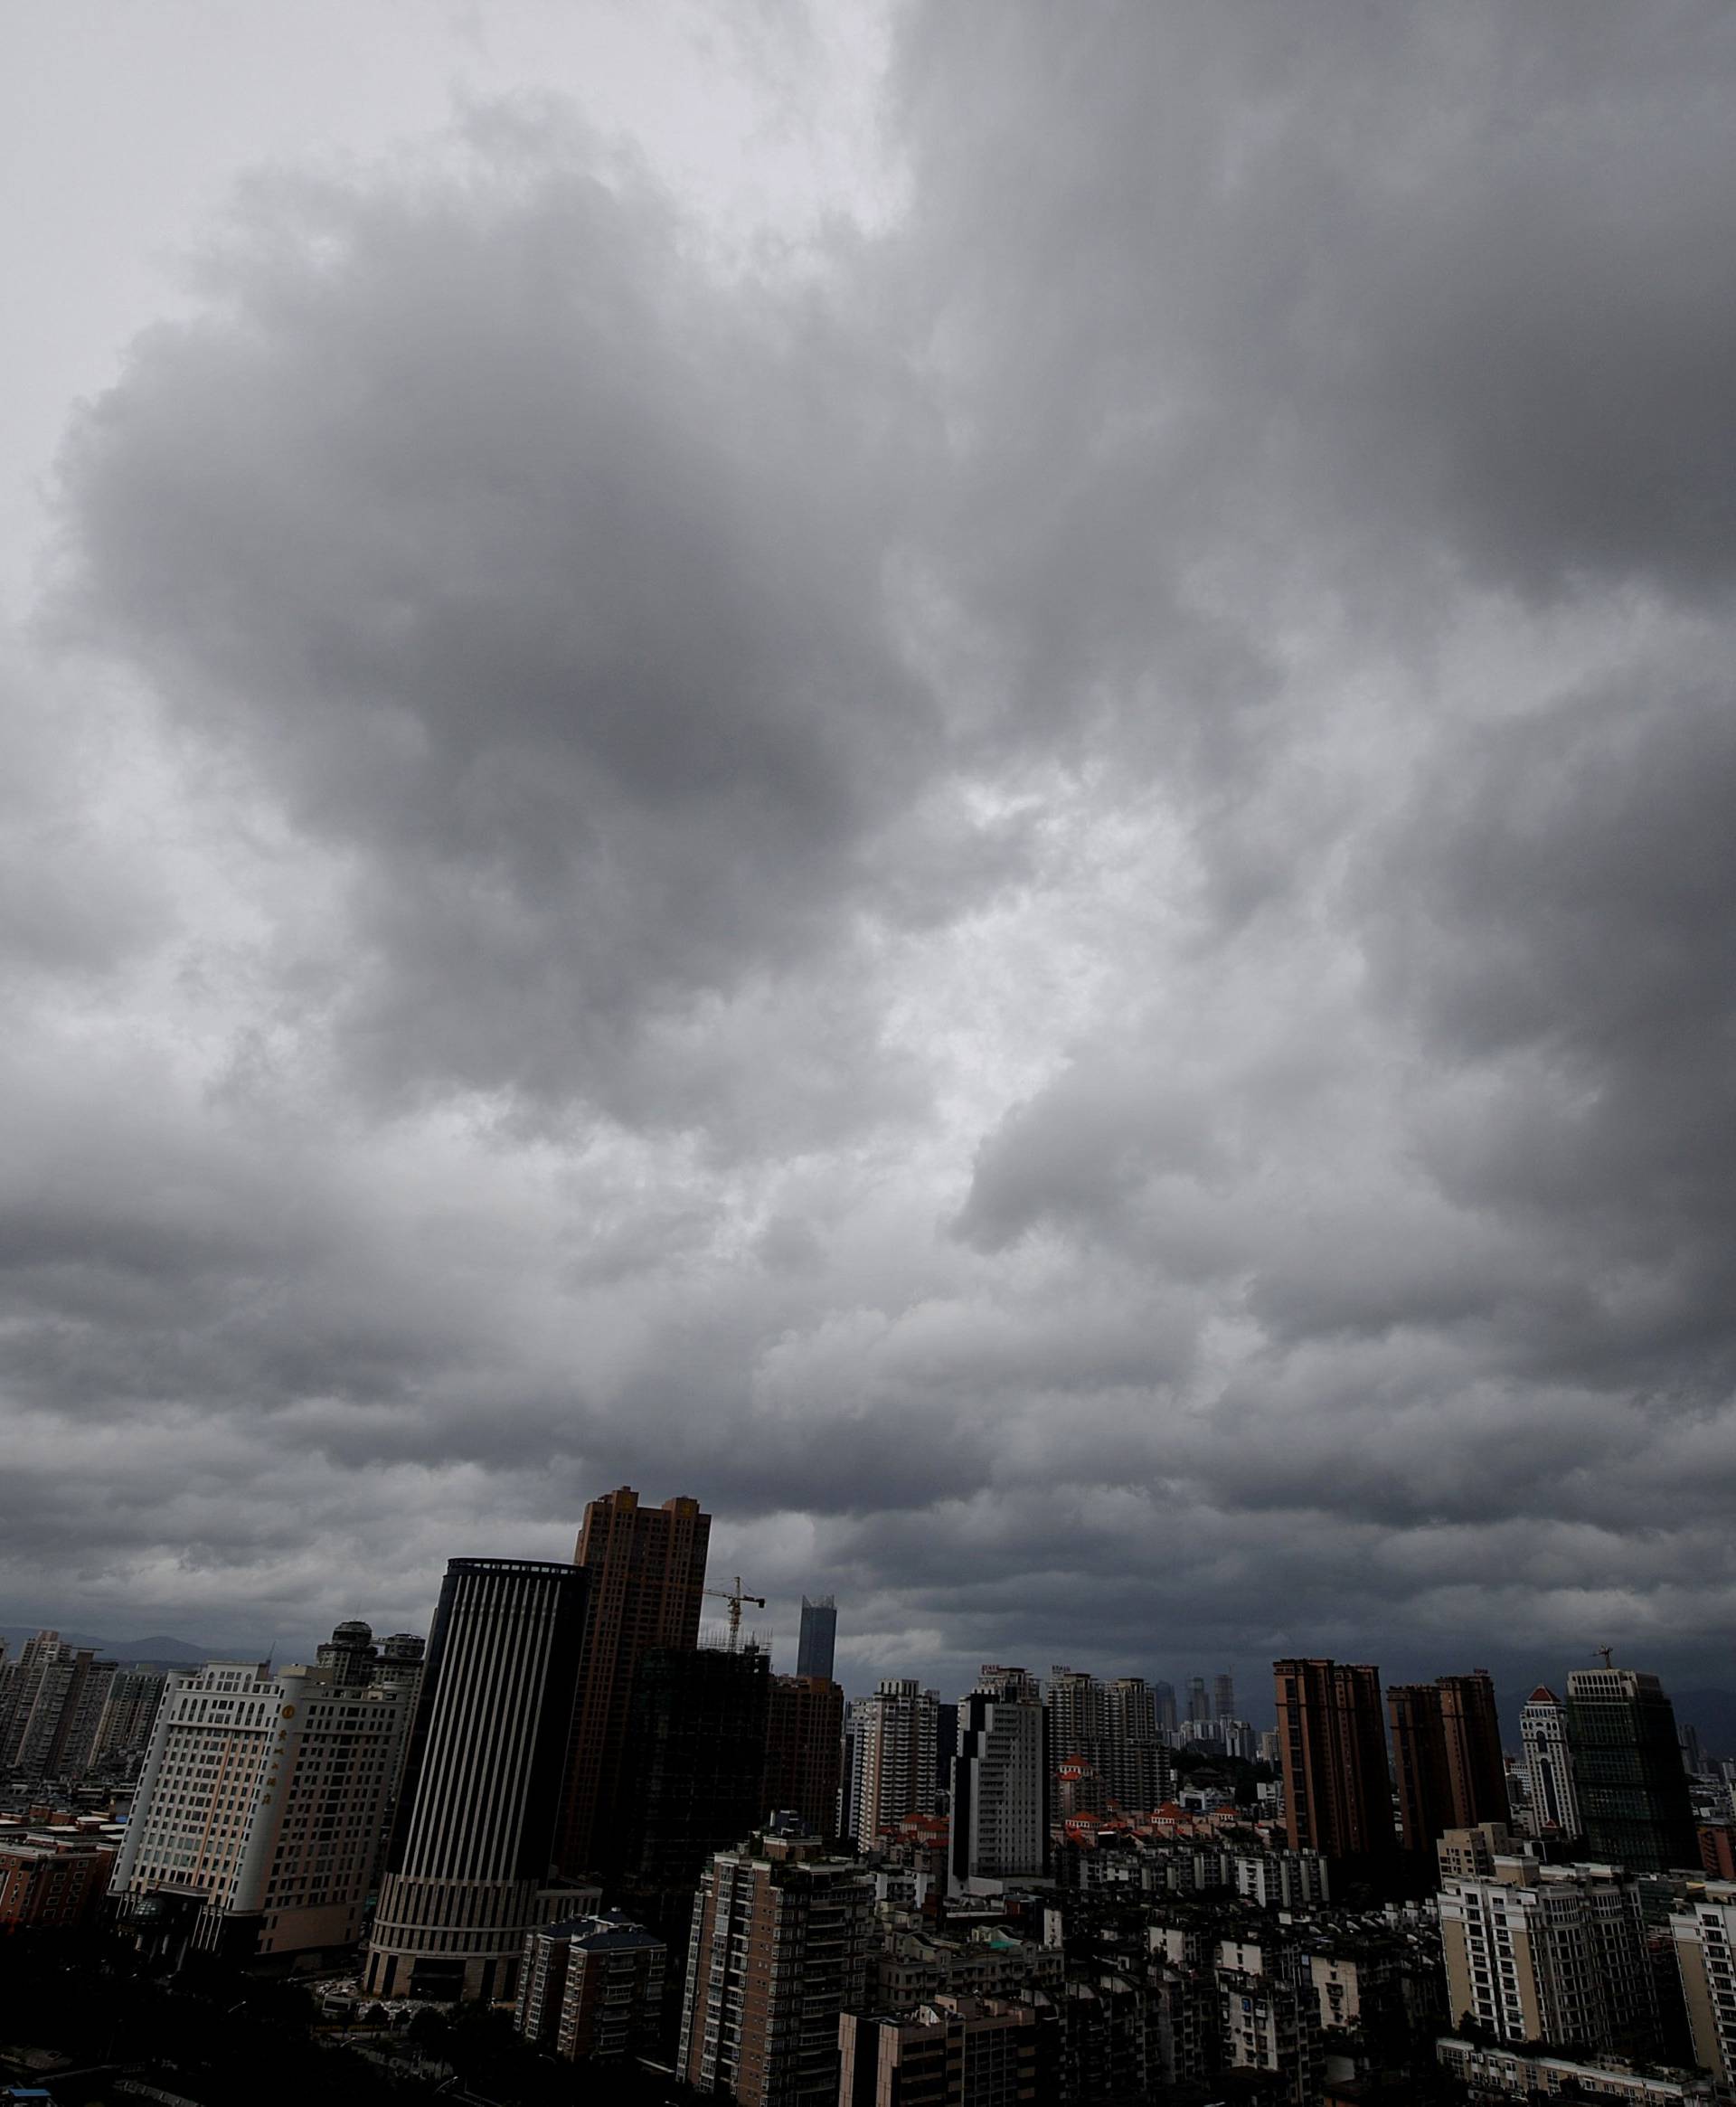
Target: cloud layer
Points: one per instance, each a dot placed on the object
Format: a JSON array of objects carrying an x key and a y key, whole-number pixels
[{"x": 1039, "y": 896}]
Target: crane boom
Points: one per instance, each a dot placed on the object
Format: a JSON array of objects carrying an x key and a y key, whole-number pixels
[{"x": 735, "y": 1597}]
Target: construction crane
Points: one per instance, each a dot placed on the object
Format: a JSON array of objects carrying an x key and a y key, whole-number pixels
[
  {"x": 734, "y": 1597},
  {"x": 1605, "y": 1652}
]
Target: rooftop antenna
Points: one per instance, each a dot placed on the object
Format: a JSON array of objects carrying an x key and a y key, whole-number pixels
[{"x": 1604, "y": 1652}]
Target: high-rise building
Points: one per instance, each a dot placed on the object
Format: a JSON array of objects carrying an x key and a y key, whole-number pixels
[
  {"x": 803, "y": 1751},
  {"x": 350, "y": 1653},
  {"x": 129, "y": 1714},
  {"x": 1337, "y": 1798},
  {"x": 647, "y": 1571},
  {"x": 1553, "y": 1804},
  {"x": 950, "y": 2052},
  {"x": 50, "y": 1705},
  {"x": 1446, "y": 1757},
  {"x": 261, "y": 1810},
  {"x": 697, "y": 1732},
  {"x": 1001, "y": 1781},
  {"x": 1548, "y": 1954},
  {"x": 778, "y": 1954},
  {"x": 1223, "y": 1696},
  {"x": 1632, "y": 1792},
  {"x": 819, "y": 1645},
  {"x": 1199, "y": 1705},
  {"x": 1163, "y": 1698},
  {"x": 894, "y": 1759},
  {"x": 1078, "y": 1736},
  {"x": 591, "y": 1989},
  {"x": 471, "y": 1862},
  {"x": 1141, "y": 1772}
]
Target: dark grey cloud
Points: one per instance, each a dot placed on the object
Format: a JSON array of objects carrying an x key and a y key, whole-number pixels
[{"x": 1040, "y": 898}]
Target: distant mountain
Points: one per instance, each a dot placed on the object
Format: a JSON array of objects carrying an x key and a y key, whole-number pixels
[{"x": 157, "y": 1650}]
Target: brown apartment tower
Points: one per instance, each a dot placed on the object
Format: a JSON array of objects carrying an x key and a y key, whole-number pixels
[
  {"x": 646, "y": 1568},
  {"x": 1447, "y": 1757},
  {"x": 1337, "y": 1798}
]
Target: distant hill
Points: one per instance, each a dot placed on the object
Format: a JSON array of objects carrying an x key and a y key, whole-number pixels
[{"x": 157, "y": 1650}]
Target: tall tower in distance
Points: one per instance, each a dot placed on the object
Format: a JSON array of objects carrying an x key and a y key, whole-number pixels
[
  {"x": 1633, "y": 1791},
  {"x": 1549, "y": 1767},
  {"x": 469, "y": 1870},
  {"x": 818, "y": 1647},
  {"x": 646, "y": 1573},
  {"x": 1332, "y": 1747},
  {"x": 1223, "y": 1696}
]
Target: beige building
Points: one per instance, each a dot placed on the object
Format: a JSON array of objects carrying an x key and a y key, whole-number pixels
[
  {"x": 1470, "y": 1853},
  {"x": 262, "y": 1808},
  {"x": 1705, "y": 1930},
  {"x": 1549, "y": 1953}
]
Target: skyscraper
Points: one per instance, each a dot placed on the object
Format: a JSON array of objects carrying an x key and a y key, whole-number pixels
[
  {"x": 1549, "y": 1765},
  {"x": 472, "y": 1851},
  {"x": 1336, "y": 1797},
  {"x": 894, "y": 1757},
  {"x": 1199, "y": 1705},
  {"x": 1632, "y": 1792},
  {"x": 647, "y": 1571},
  {"x": 777, "y": 1955},
  {"x": 1447, "y": 1757},
  {"x": 815, "y": 1654},
  {"x": 1001, "y": 1781},
  {"x": 1163, "y": 1696},
  {"x": 1223, "y": 1696}
]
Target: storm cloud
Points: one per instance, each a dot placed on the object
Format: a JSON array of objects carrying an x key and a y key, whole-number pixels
[{"x": 1036, "y": 890}]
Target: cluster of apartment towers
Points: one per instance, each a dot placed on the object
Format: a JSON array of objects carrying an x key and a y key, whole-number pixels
[{"x": 566, "y": 1735}]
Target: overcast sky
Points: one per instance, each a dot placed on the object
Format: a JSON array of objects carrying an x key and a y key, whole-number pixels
[{"x": 964, "y": 775}]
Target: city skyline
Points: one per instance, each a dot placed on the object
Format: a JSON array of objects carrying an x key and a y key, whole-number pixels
[{"x": 957, "y": 772}]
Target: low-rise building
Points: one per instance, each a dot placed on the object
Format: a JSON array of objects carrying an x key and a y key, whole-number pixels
[
  {"x": 591, "y": 1989},
  {"x": 953, "y": 2051},
  {"x": 1528, "y": 2077},
  {"x": 53, "y": 1882}
]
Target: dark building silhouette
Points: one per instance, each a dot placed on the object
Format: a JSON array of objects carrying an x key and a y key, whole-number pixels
[
  {"x": 1633, "y": 1793},
  {"x": 697, "y": 1732},
  {"x": 815, "y": 1653},
  {"x": 1332, "y": 1744},
  {"x": 1446, "y": 1757},
  {"x": 469, "y": 1870},
  {"x": 804, "y": 1752},
  {"x": 647, "y": 1570}
]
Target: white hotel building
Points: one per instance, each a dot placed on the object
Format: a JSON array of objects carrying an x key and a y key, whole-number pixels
[{"x": 263, "y": 1809}]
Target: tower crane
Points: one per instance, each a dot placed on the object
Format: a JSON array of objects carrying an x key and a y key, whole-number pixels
[{"x": 735, "y": 1597}]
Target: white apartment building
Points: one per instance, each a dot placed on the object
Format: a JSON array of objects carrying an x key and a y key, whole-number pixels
[
  {"x": 1000, "y": 1792},
  {"x": 894, "y": 1761},
  {"x": 262, "y": 1808}
]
